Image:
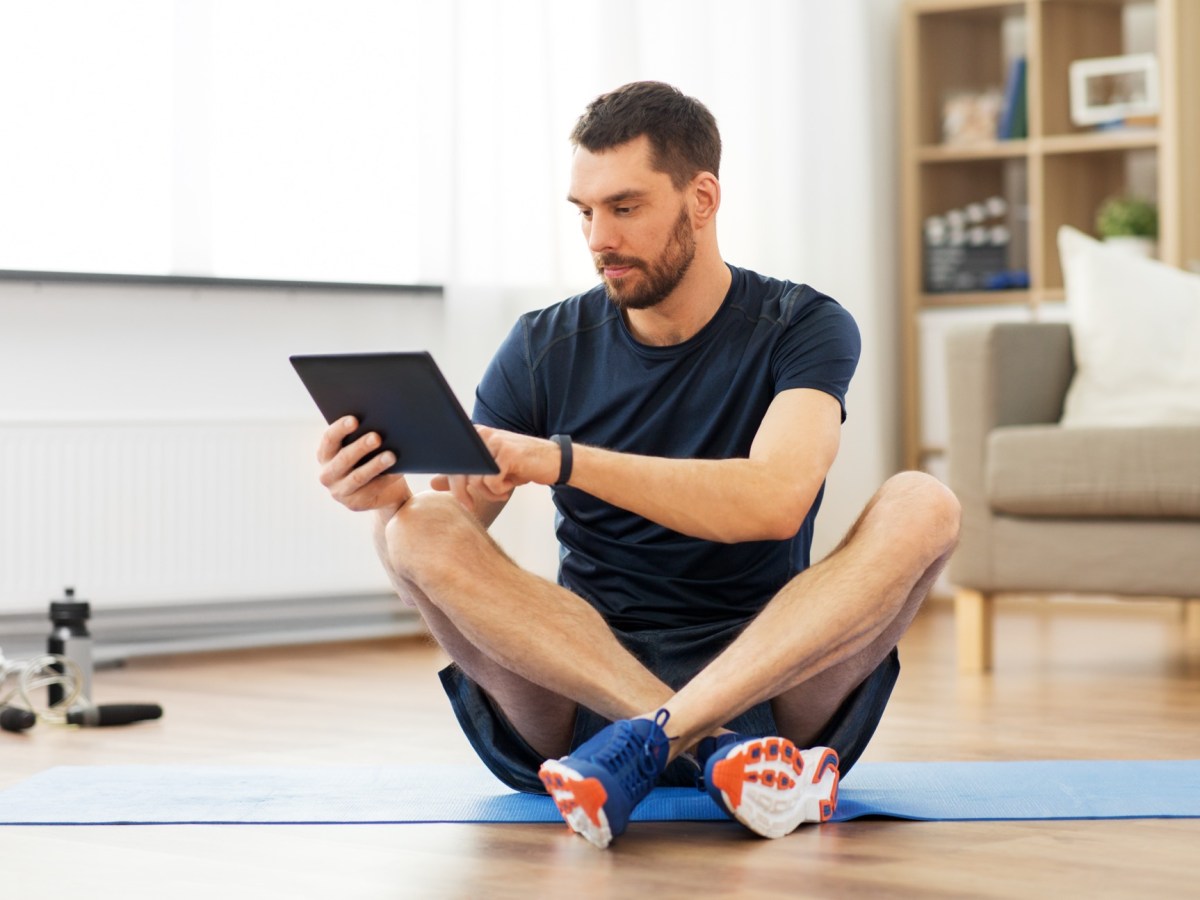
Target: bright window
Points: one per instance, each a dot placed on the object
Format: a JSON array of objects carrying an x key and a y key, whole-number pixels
[{"x": 253, "y": 139}]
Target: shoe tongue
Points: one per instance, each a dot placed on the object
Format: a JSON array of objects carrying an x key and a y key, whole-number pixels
[{"x": 640, "y": 741}]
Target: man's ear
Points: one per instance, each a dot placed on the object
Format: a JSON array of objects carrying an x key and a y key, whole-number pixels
[{"x": 706, "y": 198}]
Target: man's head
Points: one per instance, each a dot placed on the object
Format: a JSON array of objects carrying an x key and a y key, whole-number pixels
[
  {"x": 645, "y": 181},
  {"x": 682, "y": 132}
]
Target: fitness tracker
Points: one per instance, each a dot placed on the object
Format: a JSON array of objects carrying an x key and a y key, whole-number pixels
[{"x": 564, "y": 446}]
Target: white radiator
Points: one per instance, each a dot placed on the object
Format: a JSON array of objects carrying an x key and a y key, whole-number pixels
[{"x": 146, "y": 512}]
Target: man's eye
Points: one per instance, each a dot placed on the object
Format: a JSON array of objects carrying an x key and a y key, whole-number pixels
[
  {"x": 586, "y": 213},
  {"x": 623, "y": 210}
]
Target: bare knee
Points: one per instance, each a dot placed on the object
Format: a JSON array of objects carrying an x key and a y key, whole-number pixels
[
  {"x": 924, "y": 509},
  {"x": 428, "y": 533}
]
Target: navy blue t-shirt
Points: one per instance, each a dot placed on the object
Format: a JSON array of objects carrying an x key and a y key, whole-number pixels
[{"x": 574, "y": 368}]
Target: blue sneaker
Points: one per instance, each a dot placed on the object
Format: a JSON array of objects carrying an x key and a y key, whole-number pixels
[
  {"x": 597, "y": 786},
  {"x": 768, "y": 785},
  {"x": 710, "y": 745}
]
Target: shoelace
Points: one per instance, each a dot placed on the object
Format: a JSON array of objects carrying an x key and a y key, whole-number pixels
[{"x": 644, "y": 752}]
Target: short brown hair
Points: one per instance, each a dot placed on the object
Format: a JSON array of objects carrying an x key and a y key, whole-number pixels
[{"x": 682, "y": 132}]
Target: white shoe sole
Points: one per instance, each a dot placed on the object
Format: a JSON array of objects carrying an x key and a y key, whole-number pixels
[
  {"x": 771, "y": 787},
  {"x": 579, "y": 799}
]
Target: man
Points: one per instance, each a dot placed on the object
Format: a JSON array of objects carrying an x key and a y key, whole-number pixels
[{"x": 686, "y": 413}]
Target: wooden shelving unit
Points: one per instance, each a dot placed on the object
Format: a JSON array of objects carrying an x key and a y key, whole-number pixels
[{"x": 1060, "y": 173}]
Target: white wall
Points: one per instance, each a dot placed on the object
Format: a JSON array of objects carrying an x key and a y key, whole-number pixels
[{"x": 157, "y": 355}]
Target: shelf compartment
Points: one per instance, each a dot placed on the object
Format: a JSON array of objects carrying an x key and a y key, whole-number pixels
[
  {"x": 1074, "y": 30},
  {"x": 980, "y": 36},
  {"x": 1075, "y": 184},
  {"x": 960, "y": 182}
]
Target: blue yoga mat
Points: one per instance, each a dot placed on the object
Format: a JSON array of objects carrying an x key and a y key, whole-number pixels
[{"x": 959, "y": 791}]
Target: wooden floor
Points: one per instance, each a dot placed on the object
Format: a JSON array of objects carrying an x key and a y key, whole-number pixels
[{"x": 1076, "y": 682}]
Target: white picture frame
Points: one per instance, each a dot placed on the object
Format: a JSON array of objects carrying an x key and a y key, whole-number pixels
[{"x": 1113, "y": 88}]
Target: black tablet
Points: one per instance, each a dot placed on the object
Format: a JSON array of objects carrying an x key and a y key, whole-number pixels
[{"x": 404, "y": 398}]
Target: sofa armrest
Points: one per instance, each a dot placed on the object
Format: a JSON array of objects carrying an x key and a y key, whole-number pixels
[
  {"x": 1032, "y": 369},
  {"x": 999, "y": 374}
]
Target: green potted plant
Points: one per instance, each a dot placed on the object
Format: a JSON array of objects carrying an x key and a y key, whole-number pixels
[{"x": 1129, "y": 223}]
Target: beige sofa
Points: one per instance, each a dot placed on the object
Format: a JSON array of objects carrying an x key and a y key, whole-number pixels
[{"x": 1052, "y": 509}]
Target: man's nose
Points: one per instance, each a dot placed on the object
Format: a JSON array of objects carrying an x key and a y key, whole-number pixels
[{"x": 602, "y": 234}]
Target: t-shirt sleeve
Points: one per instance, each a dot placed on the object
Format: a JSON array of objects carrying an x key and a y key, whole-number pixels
[
  {"x": 819, "y": 350},
  {"x": 505, "y": 397}
]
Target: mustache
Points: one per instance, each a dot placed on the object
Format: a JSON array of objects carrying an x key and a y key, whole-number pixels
[{"x": 604, "y": 260}]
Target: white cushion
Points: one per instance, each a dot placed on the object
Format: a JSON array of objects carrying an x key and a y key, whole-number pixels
[{"x": 1135, "y": 326}]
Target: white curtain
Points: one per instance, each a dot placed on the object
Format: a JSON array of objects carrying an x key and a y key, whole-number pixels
[{"x": 523, "y": 71}]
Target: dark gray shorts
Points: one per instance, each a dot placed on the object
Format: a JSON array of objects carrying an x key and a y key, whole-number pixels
[{"x": 675, "y": 655}]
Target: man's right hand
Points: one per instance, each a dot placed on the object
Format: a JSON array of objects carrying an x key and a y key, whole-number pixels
[{"x": 365, "y": 487}]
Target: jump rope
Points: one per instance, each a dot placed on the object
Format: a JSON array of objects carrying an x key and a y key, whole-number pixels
[{"x": 28, "y": 685}]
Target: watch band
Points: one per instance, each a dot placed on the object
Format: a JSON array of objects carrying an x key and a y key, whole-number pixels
[{"x": 568, "y": 457}]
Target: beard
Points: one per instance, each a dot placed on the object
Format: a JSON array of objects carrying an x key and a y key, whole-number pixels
[{"x": 658, "y": 277}]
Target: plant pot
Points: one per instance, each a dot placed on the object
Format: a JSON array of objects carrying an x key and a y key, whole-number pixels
[{"x": 1138, "y": 246}]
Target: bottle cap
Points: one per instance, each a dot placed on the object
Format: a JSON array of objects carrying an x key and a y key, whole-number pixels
[{"x": 62, "y": 611}]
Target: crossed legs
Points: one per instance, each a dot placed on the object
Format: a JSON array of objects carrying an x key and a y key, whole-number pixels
[{"x": 538, "y": 650}]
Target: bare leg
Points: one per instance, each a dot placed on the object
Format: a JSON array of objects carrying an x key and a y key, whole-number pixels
[
  {"x": 832, "y": 624},
  {"x": 803, "y": 711},
  {"x": 536, "y": 648}
]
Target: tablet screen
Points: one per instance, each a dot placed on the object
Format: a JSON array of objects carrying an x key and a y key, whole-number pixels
[{"x": 405, "y": 399}]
